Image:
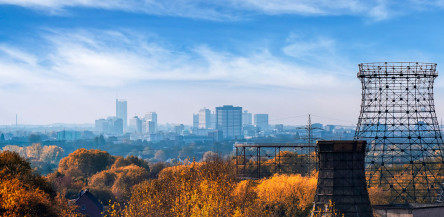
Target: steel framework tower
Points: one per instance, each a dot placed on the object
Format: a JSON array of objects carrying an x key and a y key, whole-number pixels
[{"x": 398, "y": 120}]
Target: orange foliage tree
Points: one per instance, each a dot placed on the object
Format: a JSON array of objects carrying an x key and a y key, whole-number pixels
[
  {"x": 211, "y": 189},
  {"x": 84, "y": 163},
  {"x": 23, "y": 193},
  {"x": 108, "y": 177}
]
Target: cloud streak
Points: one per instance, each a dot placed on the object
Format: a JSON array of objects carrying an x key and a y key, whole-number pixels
[
  {"x": 236, "y": 9},
  {"x": 111, "y": 59}
]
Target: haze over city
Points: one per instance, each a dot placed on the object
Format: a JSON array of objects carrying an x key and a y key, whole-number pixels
[
  {"x": 66, "y": 62},
  {"x": 266, "y": 108}
]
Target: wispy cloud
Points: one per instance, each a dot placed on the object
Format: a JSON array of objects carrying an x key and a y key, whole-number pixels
[
  {"x": 237, "y": 9},
  {"x": 181, "y": 8},
  {"x": 77, "y": 63},
  {"x": 112, "y": 59}
]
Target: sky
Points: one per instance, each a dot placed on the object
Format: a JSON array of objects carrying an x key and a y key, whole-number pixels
[{"x": 66, "y": 61}]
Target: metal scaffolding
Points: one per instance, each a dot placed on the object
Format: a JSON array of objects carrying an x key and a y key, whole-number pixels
[
  {"x": 398, "y": 120},
  {"x": 259, "y": 160}
]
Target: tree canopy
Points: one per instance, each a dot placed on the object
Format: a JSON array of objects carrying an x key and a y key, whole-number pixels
[
  {"x": 84, "y": 163},
  {"x": 24, "y": 193}
]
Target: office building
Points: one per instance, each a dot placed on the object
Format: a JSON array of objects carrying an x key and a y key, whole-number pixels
[
  {"x": 135, "y": 125},
  {"x": 150, "y": 117},
  {"x": 213, "y": 120},
  {"x": 229, "y": 121},
  {"x": 179, "y": 129},
  {"x": 261, "y": 121},
  {"x": 195, "y": 122},
  {"x": 68, "y": 135},
  {"x": 115, "y": 125},
  {"x": 151, "y": 127},
  {"x": 101, "y": 125},
  {"x": 279, "y": 127},
  {"x": 247, "y": 118},
  {"x": 121, "y": 112},
  {"x": 204, "y": 118},
  {"x": 111, "y": 125}
]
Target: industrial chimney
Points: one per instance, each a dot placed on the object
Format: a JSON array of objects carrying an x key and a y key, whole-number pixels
[{"x": 341, "y": 179}]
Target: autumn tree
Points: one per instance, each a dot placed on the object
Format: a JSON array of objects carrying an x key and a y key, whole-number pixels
[
  {"x": 51, "y": 154},
  {"x": 160, "y": 155},
  {"x": 14, "y": 148},
  {"x": 23, "y": 193},
  {"x": 121, "y": 162},
  {"x": 84, "y": 163},
  {"x": 118, "y": 181},
  {"x": 287, "y": 195},
  {"x": 210, "y": 188}
]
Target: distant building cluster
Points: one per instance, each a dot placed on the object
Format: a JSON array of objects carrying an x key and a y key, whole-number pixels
[
  {"x": 114, "y": 124},
  {"x": 223, "y": 123},
  {"x": 219, "y": 124}
]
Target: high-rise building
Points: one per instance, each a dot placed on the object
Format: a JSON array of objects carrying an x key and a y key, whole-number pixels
[
  {"x": 195, "y": 122},
  {"x": 205, "y": 118},
  {"x": 151, "y": 127},
  {"x": 111, "y": 125},
  {"x": 213, "y": 120},
  {"x": 151, "y": 122},
  {"x": 247, "y": 118},
  {"x": 121, "y": 112},
  {"x": 115, "y": 125},
  {"x": 135, "y": 125},
  {"x": 261, "y": 121},
  {"x": 151, "y": 116},
  {"x": 101, "y": 125},
  {"x": 229, "y": 121}
]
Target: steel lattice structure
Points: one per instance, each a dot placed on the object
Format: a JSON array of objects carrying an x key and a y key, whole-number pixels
[
  {"x": 398, "y": 120},
  {"x": 259, "y": 160}
]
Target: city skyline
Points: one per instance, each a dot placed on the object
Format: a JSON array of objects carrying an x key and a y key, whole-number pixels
[{"x": 63, "y": 62}]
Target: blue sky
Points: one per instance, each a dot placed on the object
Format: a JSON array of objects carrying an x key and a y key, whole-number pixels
[{"x": 64, "y": 61}]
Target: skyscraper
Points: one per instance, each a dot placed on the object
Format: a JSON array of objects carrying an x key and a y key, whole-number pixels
[
  {"x": 121, "y": 112},
  {"x": 229, "y": 121},
  {"x": 261, "y": 121},
  {"x": 205, "y": 118}
]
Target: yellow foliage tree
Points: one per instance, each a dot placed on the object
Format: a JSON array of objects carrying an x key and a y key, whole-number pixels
[
  {"x": 211, "y": 189},
  {"x": 289, "y": 195},
  {"x": 23, "y": 193}
]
